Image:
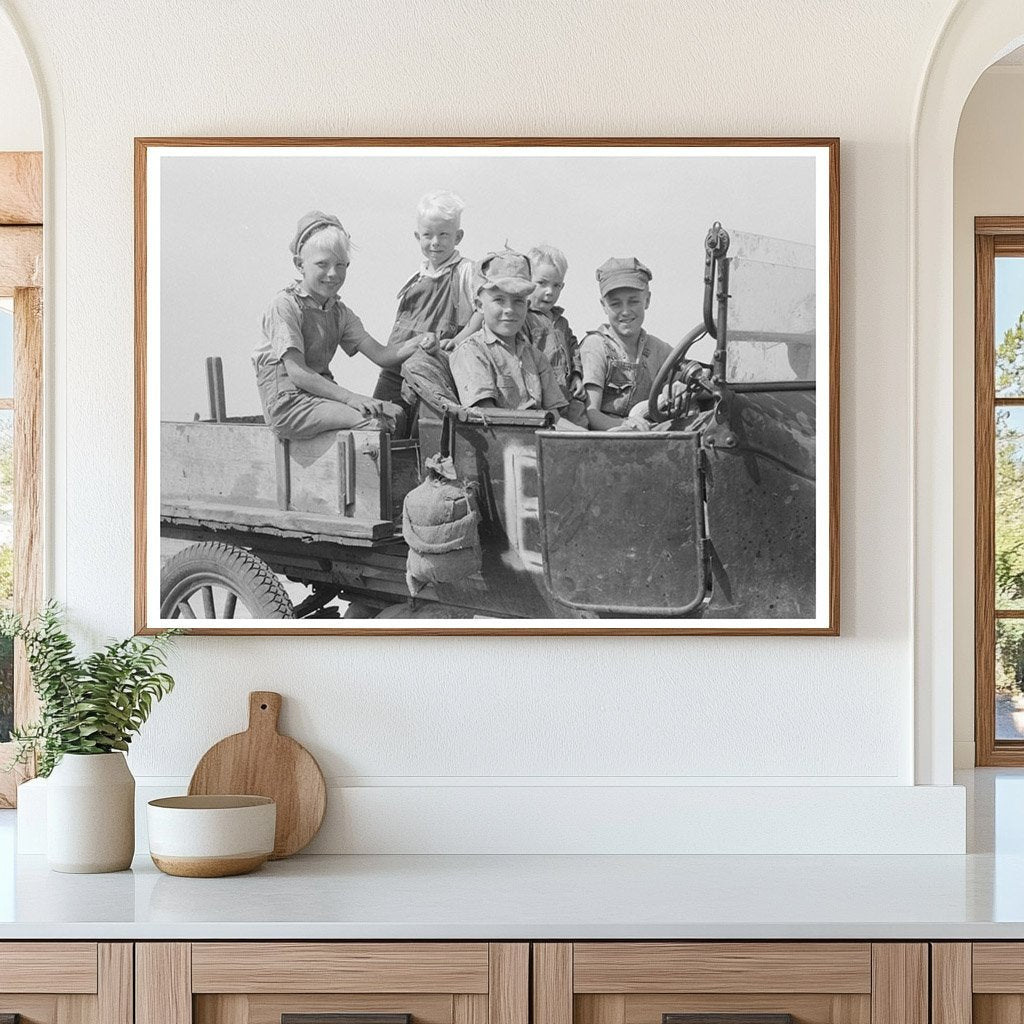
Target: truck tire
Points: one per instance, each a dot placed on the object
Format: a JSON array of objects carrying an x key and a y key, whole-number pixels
[{"x": 230, "y": 582}]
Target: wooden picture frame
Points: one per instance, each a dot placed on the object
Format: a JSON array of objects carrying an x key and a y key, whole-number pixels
[{"x": 669, "y": 552}]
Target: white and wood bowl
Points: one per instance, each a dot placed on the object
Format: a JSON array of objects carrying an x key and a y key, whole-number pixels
[{"x": 211, "y": 836}]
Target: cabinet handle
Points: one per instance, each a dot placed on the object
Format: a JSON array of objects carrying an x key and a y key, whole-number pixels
[
  {"x": 727, "y": 1018},
  {"x": 337, "y": 1018}
]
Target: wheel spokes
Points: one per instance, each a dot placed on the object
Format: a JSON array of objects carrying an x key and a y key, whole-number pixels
[
  {"x": 184, "y": 610},
  {"x": 229, "y": 605},
  {"x": 209, "y": 608}
]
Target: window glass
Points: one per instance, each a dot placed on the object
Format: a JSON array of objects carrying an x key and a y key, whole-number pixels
[
  {"x": 1009, "y": 327},
  {"x": 1009, "y": 679},
  {"x": 6, "y": 568},
  {"x": 1009, "y": 511},
  {"x": 771, "y": 326}
]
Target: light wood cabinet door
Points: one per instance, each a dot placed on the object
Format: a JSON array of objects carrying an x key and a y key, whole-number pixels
[
  {"x": 978, "y": 983},
  {"x": 730, "y": 983},
  {"x": 332, "y": 983},
  {"x": 66, "y": 982}
]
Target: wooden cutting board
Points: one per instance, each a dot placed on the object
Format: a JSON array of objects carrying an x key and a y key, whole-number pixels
[{"x": 262, "y": 762}]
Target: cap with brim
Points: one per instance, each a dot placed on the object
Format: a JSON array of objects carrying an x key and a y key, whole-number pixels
[
  {"x": 626, "y": 272},
  {"x": 308, "y": 226},
  {"x": 507, "y": 272}
]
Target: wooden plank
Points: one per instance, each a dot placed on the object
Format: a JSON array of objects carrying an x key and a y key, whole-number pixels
[
  {"x": 21, "y": 188},
  {"x": 508, "y": 994},
  {"x": 115, "y": 984},
  {"x": 32, "y": 1009},
  {"x": 951, "y": 983},
  {"x": 21, "y": 259},
  {"x": 850, "y": 1009},
  {"x": 163, "y": 983},
  {"x": 268, "y": 1008},
  {"x": 76, "y": 1010},
  {"x": 999, "y": 225},
  {"x": 984, "y": 503},
  {"x": 28, "y": 483},
  {"x": 226, "y": 1009},
  {"x": 899, "y": 992},
  {"x": 339, "y": 967},
  {"x": 65, "y": 967},
  {"x": 604, "y": 1009},
  {"x": 552, "y": 983},
  {"x": 813, "y": 1008},
  {"x": 998, "y": 1009},
  {"x": 722, "y": 967},
  {"x": 141, "y": 377},
  {"x": 307, "y": 526},
  {"x": 998, "y": 967},
  {"x": 467, "y": 1009},
  {"x": 205, "y": 464}
]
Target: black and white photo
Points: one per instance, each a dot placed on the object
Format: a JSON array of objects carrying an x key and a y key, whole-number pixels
[{"x": 483, "y": 386}]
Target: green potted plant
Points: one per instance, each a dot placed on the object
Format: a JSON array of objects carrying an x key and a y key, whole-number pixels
[{"x": 90, "y": 708}]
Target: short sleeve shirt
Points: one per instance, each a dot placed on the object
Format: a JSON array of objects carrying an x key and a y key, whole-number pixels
[
  {"x": 600, "y": 347},
  {"x": 297, "y": 321},
  {"x": 515, "y": 376}
]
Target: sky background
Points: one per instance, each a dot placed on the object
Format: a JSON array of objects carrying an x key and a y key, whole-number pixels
[
  {"x": 6, "y": 352},
  {"x": 226, "y": 222},
  {"x": 1009, "y": 293}
]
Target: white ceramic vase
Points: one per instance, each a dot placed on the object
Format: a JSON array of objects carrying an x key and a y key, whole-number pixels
[{"x": 90, "y": 814}]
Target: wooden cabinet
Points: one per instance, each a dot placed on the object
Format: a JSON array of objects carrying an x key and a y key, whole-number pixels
[
  {"x": 814, "y": 982},
  {"x": 494, "y": 983},
  {"x": 66, "y": 982},
  {"x": 261, "y": 982},
  {"x": 978, "y": 983}
]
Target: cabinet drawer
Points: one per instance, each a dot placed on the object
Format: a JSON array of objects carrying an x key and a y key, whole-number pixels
[
  {"x": 332, "y": 983},
  {"x": 340, "y": 967},
  {"x": 733, "y": 982},
  {"x": 66, "y": 982},
  {"x": 66, "y": 967},
  {"x": 634, "y": 967}
]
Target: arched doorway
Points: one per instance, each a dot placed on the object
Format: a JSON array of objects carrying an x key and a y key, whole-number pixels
[{"x": 976, "y": 34}]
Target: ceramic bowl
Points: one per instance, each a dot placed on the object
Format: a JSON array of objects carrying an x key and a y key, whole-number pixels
[{"x": 211, "y": 836}]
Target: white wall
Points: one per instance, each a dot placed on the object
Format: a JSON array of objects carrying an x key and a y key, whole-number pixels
[
  {"x": 21, "y": 127},
  {"x": 426, "y": 717},
  {"x": 987, "y": 182}
]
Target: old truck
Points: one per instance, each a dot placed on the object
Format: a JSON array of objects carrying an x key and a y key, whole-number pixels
[{"x": 712, "y": 514}]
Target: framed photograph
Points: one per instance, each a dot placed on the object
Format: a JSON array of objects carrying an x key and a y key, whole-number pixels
[{"x": 487, "y": 386}]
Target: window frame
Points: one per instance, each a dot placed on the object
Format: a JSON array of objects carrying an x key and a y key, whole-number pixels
[
  {"x": 993, "y": 237},
  {"x": 21, "y": 278}
]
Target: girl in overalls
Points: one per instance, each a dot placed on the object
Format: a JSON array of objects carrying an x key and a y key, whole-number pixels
[
  {"x": 439, "y": 297},
  {"x": 620, "y": 359}
]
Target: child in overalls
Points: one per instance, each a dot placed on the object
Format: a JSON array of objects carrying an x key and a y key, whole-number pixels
[
  {"x": 303, "y": 329},
  {"x": 439, "y": 297},
  {"x": 620, "y": 359},
  {"x": 549, "y": 330}
]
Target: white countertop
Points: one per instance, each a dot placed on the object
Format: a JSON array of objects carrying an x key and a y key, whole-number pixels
[
  {"x": 976, "y": 896},
  {"x": 496, "y": 897}
]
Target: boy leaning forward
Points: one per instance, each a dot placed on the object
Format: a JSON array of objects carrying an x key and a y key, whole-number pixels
[{"x": 497, "y": 367}]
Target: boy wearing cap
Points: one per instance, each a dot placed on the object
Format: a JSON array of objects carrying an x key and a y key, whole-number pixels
[
  {"x": 620, "y": 359},
  {"x": 496, "y": 367},
  {"x": 303, "y": 329}
]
